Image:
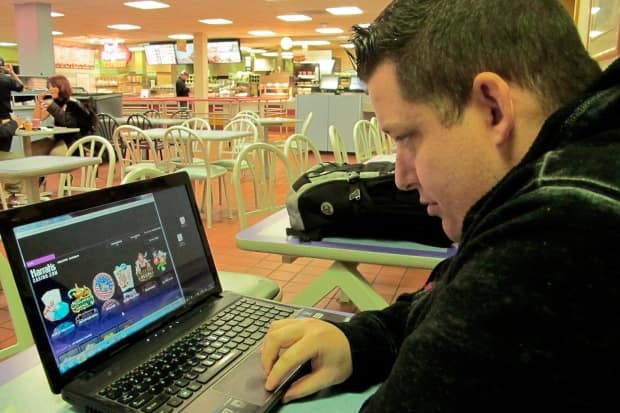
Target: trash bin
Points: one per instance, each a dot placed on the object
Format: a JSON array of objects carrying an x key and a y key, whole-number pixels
[{"x": 111, "y": 103}]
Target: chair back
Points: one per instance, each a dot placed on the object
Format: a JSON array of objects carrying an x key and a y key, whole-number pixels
[
  {"x": 386, "y": 142},
  {"x": 152, "y": 114},
  {"x": 306, "y": 124},
  {"x": 16, "y": 310},
  {"x": 106, "y": 125},
  {"x": 366, "y": 143},
  {"x": 133, "y": 146},
  {"x": 93, "y": 146},
  {"x": 141, "y": 173},
  {"x": 179, "y": 144},
  {"x": 262, "y": 177},
  {"x": 197, "y": 124},
  {"x": 338, "y": 146},
  {"x": 247, "y": 114},
  {"x": 301, "y": 152},
  {"x": 230, "y": 149},
  {"x": 139, "y": 121}
]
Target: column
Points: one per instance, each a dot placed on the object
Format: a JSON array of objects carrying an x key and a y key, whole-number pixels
[
  {"x": 201, "y": 73},
  {"x": 33, "y": 26}
]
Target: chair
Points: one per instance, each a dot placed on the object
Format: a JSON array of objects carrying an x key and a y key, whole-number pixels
[
  {"x": 181, "y": 114},
  {"x": 228, "y": 151},
  {"x": 268, "y": 170},
  {"x": 180, "y": 142},
  {"x": 152, "y": 114},
  {"x": 338, "y": 147},
  {"x": 240, "y": 283},
  {"x": 197, "y": 124},
  {"x": 134, "y": 147},
  {"x": 139, "y": 121},
  {"x": 141, "y": 173},
  {"x": 94, "y": 146},
  {"x": 247, "y": 114},
  {"x": 302, "y": 152},
  {"x": 16, "y": 310},
  {"x": 106, "y": 125},
  {"x": 306, "y": 124},
  {"x": 365, "y": 141},
  {"x": 385, "y": 140}
]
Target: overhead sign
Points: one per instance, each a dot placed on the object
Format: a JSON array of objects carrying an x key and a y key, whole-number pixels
[{"x": 115, "y": 55}]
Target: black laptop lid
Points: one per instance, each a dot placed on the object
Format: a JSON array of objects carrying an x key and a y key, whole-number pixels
[{"x": 99, "y": 270}]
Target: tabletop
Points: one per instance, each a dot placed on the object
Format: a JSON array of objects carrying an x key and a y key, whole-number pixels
[
  {"x": 278, "y": 120},
  {"x": 154, "y": 121},
  {"x": 269, "y": 235},
  {"x": 210, "y": 135},
  {"x": 27, "y": 135}
]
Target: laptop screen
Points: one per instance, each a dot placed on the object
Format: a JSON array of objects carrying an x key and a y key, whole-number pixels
[{"x": 100, "y": 274}]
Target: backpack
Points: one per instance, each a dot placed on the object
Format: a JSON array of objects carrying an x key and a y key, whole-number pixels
[
  {"x": 86, "y": 115},
  {"x": 359, "y": 201}
]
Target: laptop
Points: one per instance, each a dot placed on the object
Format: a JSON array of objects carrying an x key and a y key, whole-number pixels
[{"x": 126, "y": 308}]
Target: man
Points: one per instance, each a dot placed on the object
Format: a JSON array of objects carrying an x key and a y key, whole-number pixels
[
  {"x": 181, "y": 87},
  {"x": 9, "y": 81},
  {"x": 511, "y": 135}
]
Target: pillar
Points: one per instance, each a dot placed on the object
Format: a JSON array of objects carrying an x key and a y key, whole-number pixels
[{"x": 33, "y": 26}]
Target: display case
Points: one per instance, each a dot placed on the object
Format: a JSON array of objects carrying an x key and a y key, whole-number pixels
[
  {"x": 106, "y": 84},
  {"x": 306, "y": 76}
]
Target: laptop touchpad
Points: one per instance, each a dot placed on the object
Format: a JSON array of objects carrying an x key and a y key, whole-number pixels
[{"x": 246, "y": 381}]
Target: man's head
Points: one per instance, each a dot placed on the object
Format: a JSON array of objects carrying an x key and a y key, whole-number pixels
[
  {"x": 184, "y": 75},
  {"x": 2, "y": 64},
  {"x": 464, "y": 86}
]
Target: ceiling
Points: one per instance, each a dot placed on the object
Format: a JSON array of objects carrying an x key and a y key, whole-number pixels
[{"x": 86, "y": 20}]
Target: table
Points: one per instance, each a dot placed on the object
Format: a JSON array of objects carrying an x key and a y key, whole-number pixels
[
  {"x": 276, "y": 121},
  {"x": 269, "y": 235},
  {"x": 30, "y": 168},
  {"x": 43, "y": 132},
  {"x": 122, "y": 120},
  {"x": 24, "y": 388},
  {"x": 210, "y": 135}
]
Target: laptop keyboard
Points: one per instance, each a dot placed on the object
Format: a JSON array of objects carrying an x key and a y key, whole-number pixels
[{"x": 174, "y": 375}]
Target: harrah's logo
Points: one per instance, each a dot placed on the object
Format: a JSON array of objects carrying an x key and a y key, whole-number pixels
[{"x": 47, "y": 271}]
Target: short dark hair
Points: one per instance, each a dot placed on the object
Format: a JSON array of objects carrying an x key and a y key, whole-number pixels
[
  {"x": 439, "y": 46},
  {"x": 65, "y": 91}
]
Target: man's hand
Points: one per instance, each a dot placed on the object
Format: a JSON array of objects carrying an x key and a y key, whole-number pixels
[{"x": 290, "y": 343}]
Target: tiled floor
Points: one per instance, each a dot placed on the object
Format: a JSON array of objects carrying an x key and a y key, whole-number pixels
[{"x": 387, "y": 280}]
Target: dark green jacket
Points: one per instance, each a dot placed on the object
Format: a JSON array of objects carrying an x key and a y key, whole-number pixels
[{"x": 526, "y": 316}]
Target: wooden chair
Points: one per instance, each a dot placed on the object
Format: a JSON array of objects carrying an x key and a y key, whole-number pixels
[
  {"x": 94, "y": 146},
  {"x": 302, "y": 152},
  {"x": 16, "y": 310},
  {"x": 197, "y": 124},
  {"x": 184, "y": 147},
  {"x": 139, "y": 121},
  {"x": 268, "y": 173},
  {"x": 339, "y": 149},
  {"x": 365, "y": 141},
  {"x": 134, "y": 147}
]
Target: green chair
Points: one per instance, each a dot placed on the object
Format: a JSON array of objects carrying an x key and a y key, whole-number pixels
[{"x": 18, "y": 317}]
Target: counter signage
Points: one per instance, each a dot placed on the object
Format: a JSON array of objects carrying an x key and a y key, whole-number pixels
[{"x": 115, "y": 55}]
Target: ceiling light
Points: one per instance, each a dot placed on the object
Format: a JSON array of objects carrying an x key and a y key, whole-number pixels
[
  {"x": 595, "y": 10},
  {"x": 215, "y": 21},
  {"x": 57, "y": 33},
  {"x": 261, "y": 33},
  {"x": 124, "y": 27},
  {"x": 329, "y": 30},
  {"x": 56, "y": 14},
  {"x": 364, "y": 25},
  {"x": 344, "y": 11},
  {"x": 347, "y": 45},
  {"x": 286, "y": 43},
  {"x": 8, "y": 44},
  {"x": 181, "y": 36},
  {"x": 295, "y": 18},
  {"x": 146, "y": 5},
  {"x": 310, "y": 42},
  {"x": 270, "y": 54}
]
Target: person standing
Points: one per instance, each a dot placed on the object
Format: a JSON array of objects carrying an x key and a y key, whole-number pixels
[
  {"x": 9, "y": 82},
  {"x": 510, "y": 132},
  {"x": 181, "y": 88}
]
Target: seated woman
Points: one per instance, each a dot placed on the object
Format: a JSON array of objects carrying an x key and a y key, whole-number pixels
[{"x": 65, "y": 110}]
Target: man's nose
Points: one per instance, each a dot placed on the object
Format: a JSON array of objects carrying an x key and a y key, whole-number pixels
[{"x": 405, "y": 175}]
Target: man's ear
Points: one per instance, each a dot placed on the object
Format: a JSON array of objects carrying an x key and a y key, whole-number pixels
[{"x": 491, "y": 94}]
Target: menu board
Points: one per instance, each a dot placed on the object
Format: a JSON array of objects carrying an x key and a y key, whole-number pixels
[
  {"x": 223, "y": 51},
  {"x": 74, "y": 57},
  {"x": 160, "y": 54}
]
